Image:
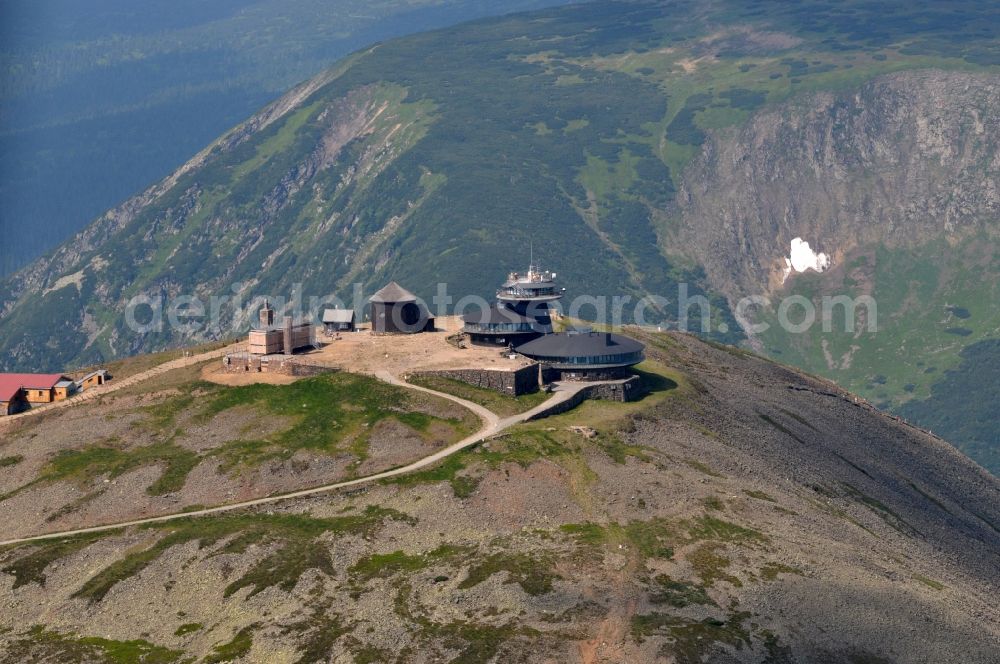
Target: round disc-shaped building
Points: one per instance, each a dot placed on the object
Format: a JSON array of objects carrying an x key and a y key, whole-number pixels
[
  {"x": 585, "y": 354},
  {"x": 501, "y": 325}
]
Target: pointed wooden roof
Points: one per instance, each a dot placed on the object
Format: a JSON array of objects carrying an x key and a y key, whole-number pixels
[{"x": 393, "y": 292}]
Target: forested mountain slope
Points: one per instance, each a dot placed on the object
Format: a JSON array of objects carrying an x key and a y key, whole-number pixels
[
  {"x": 99, "y": 99},
  {"x": 639, "y": 146}
]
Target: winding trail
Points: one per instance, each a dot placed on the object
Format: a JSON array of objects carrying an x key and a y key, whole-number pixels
[
  {"x": 115, "y": 385},
  {"x": 492, "y": 424}
]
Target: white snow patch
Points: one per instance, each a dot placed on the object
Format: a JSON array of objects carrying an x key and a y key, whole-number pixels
[{"x": 803, "y": 258}]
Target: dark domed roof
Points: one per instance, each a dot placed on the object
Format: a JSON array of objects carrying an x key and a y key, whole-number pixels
[
  {"x": 584, "y": 347},
  {"x": 494, "y": 315},
  {"x": 393, "y": 292}
]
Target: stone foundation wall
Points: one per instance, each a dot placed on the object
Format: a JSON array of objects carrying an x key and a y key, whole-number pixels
[
  {"x": 623, "y": 391},
  {"x": 296, "y": 369},
  {"x": 563, "y": 407},
  {"x": 515, "y": 383},
  {"x": 551, "y": 374},
  {"x": 273, "y": 364},
  {"x": 626, "y": 390}
]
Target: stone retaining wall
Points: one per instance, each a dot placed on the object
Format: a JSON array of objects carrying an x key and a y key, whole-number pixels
[
  {"x": 626, "y": 390},
  {"x": 623, "y": 391},
  {"x": 515, "y": 383},
  {"x": 278, "y": 364}
]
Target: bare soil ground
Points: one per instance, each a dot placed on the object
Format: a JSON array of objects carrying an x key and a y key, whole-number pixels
[
  {"x": 364, "y": 352},
  {"x": 214, "y": 373}
]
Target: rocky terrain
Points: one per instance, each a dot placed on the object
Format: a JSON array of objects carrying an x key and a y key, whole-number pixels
[
  {"x": 892, "y": 163},
  {"x": 742, "y": 512}
]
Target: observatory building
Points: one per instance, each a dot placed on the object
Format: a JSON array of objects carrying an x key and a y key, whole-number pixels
[
  {"x": 521, "y": 312},
  {"x": 585, "y": 354}
]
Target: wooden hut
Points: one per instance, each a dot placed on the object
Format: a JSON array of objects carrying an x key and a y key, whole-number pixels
[
  {"x": 93, "y": 379},
  {"x": 338, "y": 320},
  {"x": 395, "y": 310}
]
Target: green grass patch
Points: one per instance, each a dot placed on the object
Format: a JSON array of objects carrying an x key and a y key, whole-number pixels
[
  {"x": 691, "y": 641},
  {"x": 532, "y": 572},
  {"x": 651, "y": 538},
  {"x": 618, "y": 450},
  {"x": 365, "y": 654},
  {"x": 234, "y": 649},
  {"x": 759, "y": 495},
  {"x": 526, "y": 446},
  {"x": 503, "y": 405},
  {"x": 385, "y": 565},
  {"x": 658, "y": 538},
  {"x": 654, "y": 538},
  {"x": 329, "y": 414},
  {"x": 41, "y": 644},
  {"x": 475, "y": 642},
  {"x": 160, "y": 417},
  {"x": 677, "y": 594},
  {"x": 591, "y": 534},
  {"x": 702, "y": 468},
  {"x": 448, "y": 470},
  {"x": 712, "y": 528},
  {"x": 523, "y": 446},
  {"x": 30, "y": 568},
  {"x": 317, "y": 634},
  {"x": 550, "y": 438},
  {"x": 710, "y": 566},
  {"x": 929, "y": 582},
  {"x": 83, "y": 465},
  {"x": 328, "y": 410},
  {"x": 188, "y": 628},
  {"x": 771, "y": 571},
  {"x": 295, "y": 535},
  {"x": 713, "y": 503},
  {"x": 8, "y": 461}
]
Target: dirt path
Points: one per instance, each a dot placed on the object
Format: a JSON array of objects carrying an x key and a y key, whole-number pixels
[
  {"x": 492, "y": 424},
  {"x": 115, "y": 385}
]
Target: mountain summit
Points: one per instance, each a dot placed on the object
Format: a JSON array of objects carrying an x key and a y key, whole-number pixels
[{"x": 740, "y": 512}]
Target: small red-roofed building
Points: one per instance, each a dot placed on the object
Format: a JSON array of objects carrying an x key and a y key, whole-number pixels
[
  {"x": 34, "y": 389},
  {"x": 12, "y": 399}
]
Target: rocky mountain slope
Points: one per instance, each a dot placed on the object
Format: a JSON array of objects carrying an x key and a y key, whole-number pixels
[
  {"x": 897, "y": 182},
  {"x": 742, "y": 512},
  {"x": 639, "y": 145},
  {"x": 902, "y": 158}
]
